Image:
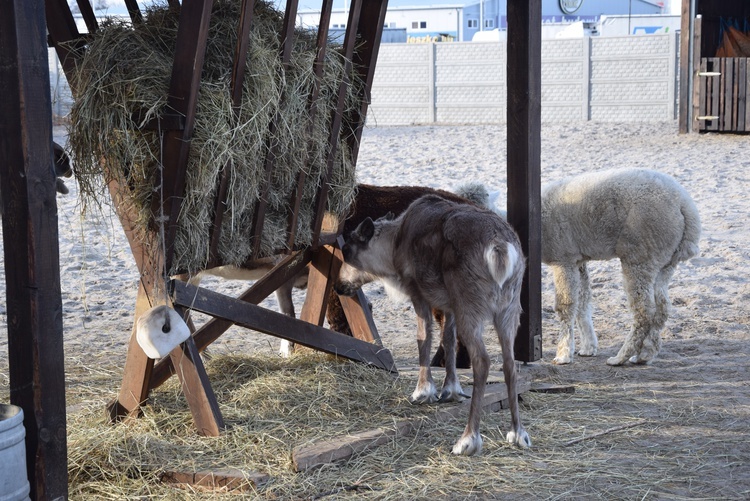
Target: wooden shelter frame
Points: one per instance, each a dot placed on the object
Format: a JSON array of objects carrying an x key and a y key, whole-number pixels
[
  {"x": 35, "y": 335},
  {"x": 714, "y": 91}
]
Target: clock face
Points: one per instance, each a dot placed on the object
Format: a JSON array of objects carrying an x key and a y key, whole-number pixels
[{"x": 570, "y": 6}]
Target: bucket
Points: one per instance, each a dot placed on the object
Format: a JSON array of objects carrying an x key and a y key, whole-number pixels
[{"x": 14, "y": 483}]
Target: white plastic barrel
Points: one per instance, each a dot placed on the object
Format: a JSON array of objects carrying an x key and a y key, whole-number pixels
[{"x": 14, "y": 483}]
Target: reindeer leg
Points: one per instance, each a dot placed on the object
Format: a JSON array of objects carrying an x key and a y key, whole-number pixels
[
  {"x": 506, "y": 325},
  {"x": 425, "y": 392},
  {"x": 452, "y": 391},
  {"x": 470, "y": 333}
]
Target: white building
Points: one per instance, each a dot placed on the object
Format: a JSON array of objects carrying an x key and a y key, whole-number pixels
[{"x": 434, "y": 23}]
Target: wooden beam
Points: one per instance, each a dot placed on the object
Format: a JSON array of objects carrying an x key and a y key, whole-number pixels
[
  {"x": 239, "y": 65},
  {"x": 350, "y": 40},
  {"x": 312, "y": 110},
  {"x": 259, "y": 212},
  {"x": 223, "y": 480},
  {"x": 686, "y": 78},
  {"x": 190, "y": 49},
  {"x": 524, "y": 163},
  {"x": 62, "y": 28},
  {"x": 30, "y": 246},
  {"x": 286, "y": 270},
  {"x": 134, "y": 11},
  {"x": 279, "y": 325},
  {"x": 197, "y": 389},
  {"x": 88, "y": 15}
]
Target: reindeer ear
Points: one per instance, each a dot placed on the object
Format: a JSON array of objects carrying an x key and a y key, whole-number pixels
[{"x": 367, "y": 229}]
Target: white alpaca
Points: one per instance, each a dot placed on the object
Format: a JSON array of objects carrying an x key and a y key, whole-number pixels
[{"x": 640, "y": 216}]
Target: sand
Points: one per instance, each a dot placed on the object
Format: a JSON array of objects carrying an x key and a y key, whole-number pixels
[{"x": 701, "y": 372}]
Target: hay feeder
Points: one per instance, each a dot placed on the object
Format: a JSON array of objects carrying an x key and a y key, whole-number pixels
[{"x": 157, "y": 143}]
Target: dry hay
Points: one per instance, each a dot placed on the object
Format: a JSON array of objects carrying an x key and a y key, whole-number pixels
[
  {"x": 273, "y": 405},
  {"x": 123, "y": 76}
]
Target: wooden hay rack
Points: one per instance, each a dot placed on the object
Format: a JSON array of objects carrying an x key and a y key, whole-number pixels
[{"x": 142, "y": 374}]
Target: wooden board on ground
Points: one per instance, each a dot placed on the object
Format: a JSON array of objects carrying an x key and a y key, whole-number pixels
[
  {"x": 226, "y": 479},
  {"x": 327, "y": 451}
]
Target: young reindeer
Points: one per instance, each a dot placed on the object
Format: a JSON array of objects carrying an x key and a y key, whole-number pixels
[{"x": 459, "y": 258}]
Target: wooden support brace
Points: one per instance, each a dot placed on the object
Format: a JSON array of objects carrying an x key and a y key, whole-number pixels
[
  {"x": 197, "y": 388},
  {"x": 223, "y": 480},
  {"x": 286, "y": 270},
  {"x": 269, "y": 322}
]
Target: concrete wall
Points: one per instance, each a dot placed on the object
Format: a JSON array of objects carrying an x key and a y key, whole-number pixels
[
  {"x": 607, "y": 79},
  {"x": 614, "y": 79}
]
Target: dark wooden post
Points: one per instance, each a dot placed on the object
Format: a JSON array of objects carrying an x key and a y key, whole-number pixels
[
  {"x": 524, "y": 150},
  {"x": 30, "y": 244}
]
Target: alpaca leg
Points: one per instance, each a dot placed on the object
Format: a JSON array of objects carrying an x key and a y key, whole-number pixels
[
  {"x": 470, "y": 332},
  {"x": 639, "y": 287},
  {"x": 452, "y": 391},
  {"x": 652, "y": 342},
  {"x": 567, "y": 282},
  {"x": 506, "y": 325},
  {"x": 425, "y": 392},
  {"x": 589, "y": 343}
]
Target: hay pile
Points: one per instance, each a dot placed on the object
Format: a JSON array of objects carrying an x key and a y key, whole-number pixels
[{"x": 124, "y": 73}]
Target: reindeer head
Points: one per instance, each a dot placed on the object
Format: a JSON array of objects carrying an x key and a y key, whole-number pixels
[{"x": 368, "y": 254}]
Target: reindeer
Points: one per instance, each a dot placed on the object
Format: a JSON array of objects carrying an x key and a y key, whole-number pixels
[{"x": 463, "y": 260}]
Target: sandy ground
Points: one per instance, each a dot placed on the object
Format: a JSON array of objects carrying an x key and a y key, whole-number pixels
[{"x": 699, "y": 386}]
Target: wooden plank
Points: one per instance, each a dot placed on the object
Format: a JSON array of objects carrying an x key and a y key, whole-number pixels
[
  {"x": 259, "y": 212},
  {"x": 239, "y": 64},
  {"x": 704, "y": 100},
  {"x": 727, "y": 74},
  {"x": 741, "y": 93},
  {"x": 223, "y": 480},
  {"x": 279, "y": 325},
  {"x": 312, "y": 111},
  {"x": 321, "y": 196},
  {"x": 84, "y": 6},
  {"x": 685, "y": 70},
  {"x": 747, "y": 96},
  {"x": 288, "y": 268},
  {"x": 552, "y": 388},
  {"x": 369, "y": 34},
  {"x": 190, "y": 48},
  {"x": 524, "y": 163},
  {"x": 356, "y": 309},
  {"x": 62, "y": 28},
  {"x": 715, "y": 65},
  {"x": 697, "y": 59},
  {"x": 134, "y": 388},
  {"x": 197, "y": 389},
  {"x": 319, "y": 287},
  {"x": 36, "y": 363},
  {"x": 134, "y": 11},
  {"x": 308, "y": 456}
]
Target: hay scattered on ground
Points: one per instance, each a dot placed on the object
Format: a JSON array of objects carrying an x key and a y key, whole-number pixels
[
  {"x": 274, "y": 405},
  {"x": 122, "y": 82}
]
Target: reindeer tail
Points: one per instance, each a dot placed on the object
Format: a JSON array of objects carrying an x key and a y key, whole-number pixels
[{"x": 501, "y": 259}]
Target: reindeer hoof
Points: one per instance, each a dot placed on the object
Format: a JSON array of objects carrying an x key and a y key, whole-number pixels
[
  {"x": 452, "y": 396},
  {"x": 587, "y": 352},
  {"x": 428, "y": 396},
  {"x": 468, "y": 445},
  {"x": 521, "y": 439},
  {"x": 636, "y": 359}
]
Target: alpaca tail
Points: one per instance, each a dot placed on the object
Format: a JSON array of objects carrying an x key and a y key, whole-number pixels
[{"x": 691, "y": 235}]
